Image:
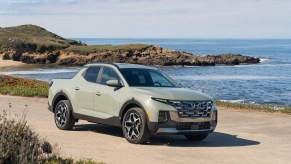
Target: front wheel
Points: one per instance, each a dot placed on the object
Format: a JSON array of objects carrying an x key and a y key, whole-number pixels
[
  {"x": 63, "y": 115},
  {"x": 200, "y": 137},
  {"x": 134, "y": 126}
]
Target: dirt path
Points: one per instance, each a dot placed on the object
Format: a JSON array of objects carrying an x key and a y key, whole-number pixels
[{"x": 241, "y": 137}]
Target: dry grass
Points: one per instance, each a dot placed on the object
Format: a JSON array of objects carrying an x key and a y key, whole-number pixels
[
  {"x": 265, "y": 108},
  {"x": 31, "y": 38},
  {"x": 102, "y": 48},
  {"x": 22, "y": 87}
]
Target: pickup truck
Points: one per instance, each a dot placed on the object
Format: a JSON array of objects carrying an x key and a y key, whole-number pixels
[{"x": 141, "y": 100}]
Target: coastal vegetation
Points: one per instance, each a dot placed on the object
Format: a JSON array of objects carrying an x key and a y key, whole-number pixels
[
  {"x": 87, "y": 49},
  {"x": 35, "y": 45},
  {"x": 20, "y": 144},
  {"x": 32, "y": 88},
  {"x": 256, "y": 107},
  {"x": 31, "y": 38},
  {"x": 22, "y": 87}
]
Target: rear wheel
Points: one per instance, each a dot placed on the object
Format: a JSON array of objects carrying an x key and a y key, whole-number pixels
[
  {"x": 192, "y": 137},
  {"x": 63, "y": 115},
  {"x": 134, "y": 126}
]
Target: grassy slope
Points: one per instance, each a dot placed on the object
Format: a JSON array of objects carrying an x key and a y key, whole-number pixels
[
  {"x": 22, "y": 87},
  {"x": 102, "y": 48},
  {"x": 31, "y": 36},
  {"x": 38, "y": 39},
  {"x": 30, "y": 88}
]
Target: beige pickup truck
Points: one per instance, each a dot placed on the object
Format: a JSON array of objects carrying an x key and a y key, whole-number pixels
[{"x": 141, "y": 100}]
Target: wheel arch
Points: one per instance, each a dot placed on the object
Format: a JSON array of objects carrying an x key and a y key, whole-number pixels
[
  {"x": 128, "y": 105},
  {"x": 58, "y": 97}
]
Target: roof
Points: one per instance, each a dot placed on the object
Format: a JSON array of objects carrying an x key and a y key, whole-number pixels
[{"x": 123, "y": 65}]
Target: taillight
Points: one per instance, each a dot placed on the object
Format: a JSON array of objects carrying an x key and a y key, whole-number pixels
[{"x": 51, "y": 83}]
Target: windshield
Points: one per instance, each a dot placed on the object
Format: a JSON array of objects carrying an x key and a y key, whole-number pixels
[{"x": 140, "y": 77}]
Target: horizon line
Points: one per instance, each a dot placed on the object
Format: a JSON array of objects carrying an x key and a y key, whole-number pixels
[{"x": 206, "y": 38}]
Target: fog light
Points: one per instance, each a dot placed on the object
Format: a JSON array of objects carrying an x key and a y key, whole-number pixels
[{"x": 163, "y": 116}]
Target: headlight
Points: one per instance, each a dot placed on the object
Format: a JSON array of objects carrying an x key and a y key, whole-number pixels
[
  {"x": 187, "y": 104},
  {"x": 174, "y": 103}
]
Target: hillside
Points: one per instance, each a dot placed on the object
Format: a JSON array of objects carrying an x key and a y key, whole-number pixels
[
  {"x": 35, "y": 45},
  {"x": 31, "y": 38}
]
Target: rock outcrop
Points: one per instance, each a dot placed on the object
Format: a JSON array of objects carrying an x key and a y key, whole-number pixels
[{"x": 34, "y": 45}]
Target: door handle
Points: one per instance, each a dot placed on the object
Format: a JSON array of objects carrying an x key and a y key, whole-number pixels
[
  {"x": 77, "y": 88},
  {"x": 98, "y": 93}
]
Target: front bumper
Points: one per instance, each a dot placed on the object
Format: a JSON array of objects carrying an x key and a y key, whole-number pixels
[{"x": 177, "y": 125}]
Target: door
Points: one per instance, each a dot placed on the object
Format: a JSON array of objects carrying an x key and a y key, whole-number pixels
[
  {"x": 85, "y": 91},
  {"x": 108, "y": 101}
]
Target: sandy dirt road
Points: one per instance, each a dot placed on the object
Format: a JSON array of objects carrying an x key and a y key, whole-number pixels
[{"x": 241, "y": 137}]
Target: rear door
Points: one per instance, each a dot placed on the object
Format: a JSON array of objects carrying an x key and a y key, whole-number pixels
[{"x": 85, "y": 91}]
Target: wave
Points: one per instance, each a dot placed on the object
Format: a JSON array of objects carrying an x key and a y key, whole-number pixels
[
  {"x": 238, "y": 101},
  {"x": 264, "y": 65},
  {"x": 264, "y": 60},
  {"x": 229, "y": 77},
  {"x": 40, "y": 71}
]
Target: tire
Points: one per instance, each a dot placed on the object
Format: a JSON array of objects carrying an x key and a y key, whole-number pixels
[
  {"x": 63, "y": 115},
  {"x": 192, "y": 137},
  {"x": 134, "y": 126}
]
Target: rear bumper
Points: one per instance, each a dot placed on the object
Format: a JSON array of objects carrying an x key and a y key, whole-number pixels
[{"x": 176, "y": 125}]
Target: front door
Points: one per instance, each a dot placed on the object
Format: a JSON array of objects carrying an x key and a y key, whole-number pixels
[{"x": 108, "y": 101}]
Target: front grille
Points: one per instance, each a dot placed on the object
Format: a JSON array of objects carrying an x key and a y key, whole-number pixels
[{"x": 194, "y": 109}]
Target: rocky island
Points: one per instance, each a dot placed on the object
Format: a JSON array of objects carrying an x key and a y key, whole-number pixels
[{"x": 35, "y": 45}]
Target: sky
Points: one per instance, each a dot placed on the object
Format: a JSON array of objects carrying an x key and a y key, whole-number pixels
[{"x": 153, "y": 18}]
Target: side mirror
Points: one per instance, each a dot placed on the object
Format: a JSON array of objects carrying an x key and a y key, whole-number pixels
[
  {"x": 180, "y": 85},
  {"x": 114, "y": 83}
]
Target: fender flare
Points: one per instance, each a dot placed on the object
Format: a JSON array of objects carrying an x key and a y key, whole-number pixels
[
  {"x": 60, "y": 93},
  {"x": 129, "y": 102}
]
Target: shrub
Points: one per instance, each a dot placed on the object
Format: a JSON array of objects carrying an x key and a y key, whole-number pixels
[{"x": 20, "y": 145}]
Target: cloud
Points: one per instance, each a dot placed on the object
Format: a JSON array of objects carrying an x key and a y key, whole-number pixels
[
  {"x": 153, "y": 18},
  {"x": 30, "y": 2}
]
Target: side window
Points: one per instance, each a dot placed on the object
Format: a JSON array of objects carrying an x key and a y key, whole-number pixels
[
  {"x": 92, "y": 74},
  {"x": 108, "y": 74}
]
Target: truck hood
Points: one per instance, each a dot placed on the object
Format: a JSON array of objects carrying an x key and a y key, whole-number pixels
[{"x": 172, "y": 93}]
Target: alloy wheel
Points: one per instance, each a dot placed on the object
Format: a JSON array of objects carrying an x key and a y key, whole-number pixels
[
  {"x": 133, "y": 125},
  {"x": 61, "y": 114}
]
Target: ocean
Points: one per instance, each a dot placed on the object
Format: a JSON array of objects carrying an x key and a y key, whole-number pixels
[{"x": 266, "y": 83}]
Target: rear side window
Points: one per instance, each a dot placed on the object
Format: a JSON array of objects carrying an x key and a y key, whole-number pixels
[
  {"x": 91, "y": 74},
  {"x": 108, "y": 74}
]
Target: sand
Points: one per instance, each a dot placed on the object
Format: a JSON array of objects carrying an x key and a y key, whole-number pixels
[{"x": 9, "y": 64}]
